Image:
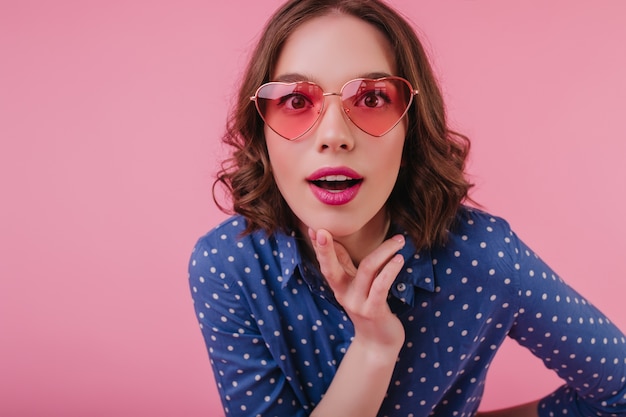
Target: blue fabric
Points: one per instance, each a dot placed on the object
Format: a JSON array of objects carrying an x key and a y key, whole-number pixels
[{"x": 276, "y": 336}]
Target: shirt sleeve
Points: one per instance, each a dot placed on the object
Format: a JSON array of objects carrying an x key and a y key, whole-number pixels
[
  {"x": 249, "y": 379},
  {"x": 571, "y": 337}
]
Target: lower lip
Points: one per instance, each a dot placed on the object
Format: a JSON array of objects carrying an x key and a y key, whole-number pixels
[{"x": 335, "y": 198}]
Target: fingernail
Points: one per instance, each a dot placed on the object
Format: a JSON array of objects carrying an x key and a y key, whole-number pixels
[
  {"x": 397, "y": 259},
  {"x": 322, "y": 239},
  {"x": 399, "y": 239}
]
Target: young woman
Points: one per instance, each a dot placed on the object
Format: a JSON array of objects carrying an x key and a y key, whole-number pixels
[{"x": 353, "y": 281}]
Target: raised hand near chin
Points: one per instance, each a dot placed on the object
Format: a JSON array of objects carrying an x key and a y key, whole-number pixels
[{"x": 362, "y": 291}]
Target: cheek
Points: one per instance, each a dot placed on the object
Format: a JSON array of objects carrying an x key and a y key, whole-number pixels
[
  {"x": 394, "y": 159},
  {"x": 281, "y": 157},
  {"x": 395, "y": 150},
  {"x": 272, "y": 142},
  {"x": 283, "y": 152}
]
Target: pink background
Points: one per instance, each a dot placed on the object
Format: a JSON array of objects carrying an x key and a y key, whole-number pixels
[{"x": 110, "y": 113}]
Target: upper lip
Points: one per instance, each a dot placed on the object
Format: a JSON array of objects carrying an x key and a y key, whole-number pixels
[{"x": 334, "y": 174}]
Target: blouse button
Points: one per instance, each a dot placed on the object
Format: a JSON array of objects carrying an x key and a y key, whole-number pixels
[{"x": 401, "y": 286}]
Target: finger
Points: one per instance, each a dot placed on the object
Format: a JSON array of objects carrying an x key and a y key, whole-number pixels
[
  {"x": 372, "y": 265},
  {"x": 381, "y": 285},
  {"x": 330, "y": 267}
]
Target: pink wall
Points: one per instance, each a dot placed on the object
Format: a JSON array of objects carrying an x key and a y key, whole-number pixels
[{"x": 110, "y": 114}]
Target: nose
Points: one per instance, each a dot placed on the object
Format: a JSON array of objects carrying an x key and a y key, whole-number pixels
[{"x": 333, "y": 131}]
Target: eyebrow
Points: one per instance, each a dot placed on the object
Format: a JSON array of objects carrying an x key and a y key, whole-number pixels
[
  {"x": 295, "y": 77},
  {"x": 292, "y": 77}
]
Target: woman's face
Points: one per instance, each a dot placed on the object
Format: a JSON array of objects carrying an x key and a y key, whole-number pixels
[{"x": 335, "y": 176}]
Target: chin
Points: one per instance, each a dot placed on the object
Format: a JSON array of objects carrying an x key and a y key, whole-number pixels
[{"x": 337, "y": 226}]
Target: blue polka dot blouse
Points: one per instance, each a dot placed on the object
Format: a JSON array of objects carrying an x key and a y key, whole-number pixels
[{"x": 276, "y": 335}]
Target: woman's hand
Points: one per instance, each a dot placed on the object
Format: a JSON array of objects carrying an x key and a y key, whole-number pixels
[
  {"x": 362, "y": 291},
  {"x": 362, "y": 379}
]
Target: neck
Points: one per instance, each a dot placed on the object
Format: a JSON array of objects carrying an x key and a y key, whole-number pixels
[{"x": 362, "y": 242}]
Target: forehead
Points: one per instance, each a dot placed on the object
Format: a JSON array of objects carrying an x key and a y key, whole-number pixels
[{"x": 333, "y": 49}]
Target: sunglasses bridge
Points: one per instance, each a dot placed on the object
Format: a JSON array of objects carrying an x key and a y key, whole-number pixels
[{"x": 339, "y": 94}]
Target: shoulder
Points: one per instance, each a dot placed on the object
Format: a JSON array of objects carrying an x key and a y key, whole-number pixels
[
  {"x": 227, "y": 250},
  {"x": 223, "y": 244},
  {"x": 229, "y": 229},
  {"x": 475, "y": 223},
  {"x": 482, "y": 239},
  {"x": 228, "y": 237}
]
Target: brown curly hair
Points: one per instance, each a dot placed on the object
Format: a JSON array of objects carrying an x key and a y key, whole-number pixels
[{"x": 431, "y": 184}]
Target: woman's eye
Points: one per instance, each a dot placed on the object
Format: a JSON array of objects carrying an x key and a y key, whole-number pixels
[
  {"x": 295, "y": 102},
  {"x": 373, "y": 99}
]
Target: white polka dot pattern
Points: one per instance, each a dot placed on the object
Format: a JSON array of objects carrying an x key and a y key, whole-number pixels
[{"x": 276, "y": 336}]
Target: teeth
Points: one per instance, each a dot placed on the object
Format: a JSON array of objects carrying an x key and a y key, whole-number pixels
[{"x": 334, "y": 178}]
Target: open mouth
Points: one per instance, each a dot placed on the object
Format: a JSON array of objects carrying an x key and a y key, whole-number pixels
[{"x": 336, "y": 182}]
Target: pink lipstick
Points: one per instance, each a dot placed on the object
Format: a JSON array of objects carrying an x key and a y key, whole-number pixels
[{"x": 335, "y": 186}]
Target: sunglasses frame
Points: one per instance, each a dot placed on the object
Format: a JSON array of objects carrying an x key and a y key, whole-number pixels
[{"x": 412, "y": 92}]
